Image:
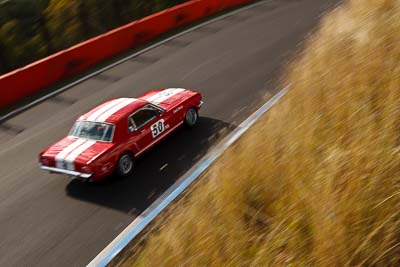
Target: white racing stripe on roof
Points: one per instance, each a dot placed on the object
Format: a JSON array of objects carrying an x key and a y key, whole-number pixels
[
  {"x": 103, "y": 109},
  {"x": 164, "y": 95},
  {"x": 63, "y": 153},
  {"x": 103, "y": 117},
  {"x": 70, "y": 159}
]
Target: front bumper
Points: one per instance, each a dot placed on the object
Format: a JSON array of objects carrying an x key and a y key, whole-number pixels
[{"x": 73, "y": 174}]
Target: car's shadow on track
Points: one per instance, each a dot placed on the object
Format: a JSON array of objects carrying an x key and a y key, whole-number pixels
[{"x": 181, "y": 150}]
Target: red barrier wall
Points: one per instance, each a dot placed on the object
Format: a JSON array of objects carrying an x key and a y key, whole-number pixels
[{"x": 40, "y": 74}]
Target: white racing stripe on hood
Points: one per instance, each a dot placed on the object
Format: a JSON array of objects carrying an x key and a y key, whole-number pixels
[
  {"x": 70, "y": 159},
  {"x": 164, "y": 95},
  {"x": 103, "y": 109},
  {"x": 63, "y": 153},
  {"x": 115, "y": 109}
]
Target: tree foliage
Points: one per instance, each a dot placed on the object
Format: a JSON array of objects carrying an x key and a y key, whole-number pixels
[{"x": 33, "y": 29}]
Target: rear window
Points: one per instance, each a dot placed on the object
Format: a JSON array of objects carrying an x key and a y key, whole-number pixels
[{"x": 98, "y": 131}]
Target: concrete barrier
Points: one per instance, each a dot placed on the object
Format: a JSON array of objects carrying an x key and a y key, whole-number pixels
[{"x": 32, "y": 78}]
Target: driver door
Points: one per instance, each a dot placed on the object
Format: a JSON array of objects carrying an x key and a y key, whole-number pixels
[{"x": 145, "y": 126}]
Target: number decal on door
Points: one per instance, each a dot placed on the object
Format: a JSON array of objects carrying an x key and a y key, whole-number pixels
[{"x": 157, "y": 128}]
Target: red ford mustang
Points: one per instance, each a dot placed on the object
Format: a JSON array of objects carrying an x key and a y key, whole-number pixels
[{"x": 109, "y": 137}]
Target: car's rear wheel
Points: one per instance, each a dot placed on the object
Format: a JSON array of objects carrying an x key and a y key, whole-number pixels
[
  {"x": 191, "y": 117},
  {"x": 125, "y": 165}
]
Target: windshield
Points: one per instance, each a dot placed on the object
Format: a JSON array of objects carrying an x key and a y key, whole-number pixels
[{"x": 98, "y": 131}]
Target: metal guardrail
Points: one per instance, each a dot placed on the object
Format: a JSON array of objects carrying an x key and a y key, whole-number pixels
[{"x": 141, "y": 222}]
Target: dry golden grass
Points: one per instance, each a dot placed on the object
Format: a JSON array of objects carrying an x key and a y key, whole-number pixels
[{"x": 316, "y": 182}]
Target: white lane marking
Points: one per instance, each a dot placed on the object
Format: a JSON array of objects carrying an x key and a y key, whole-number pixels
[
  {"x": 164, "y": 166},
  {"x": 196, "y": 69},
  {"x": 164, "y": 95},
  {"x": 97, "y": 113},
  {"x": 59, "y": 158},
  {"x": 70, "y": 159},
  {"x": 144, "y": 219},
  {"x": 115, "y": 109},
  {"x": 213, "y": 59}
]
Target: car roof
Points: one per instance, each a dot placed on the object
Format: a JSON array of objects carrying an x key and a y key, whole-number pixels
[{"x": 113, "y": 110}]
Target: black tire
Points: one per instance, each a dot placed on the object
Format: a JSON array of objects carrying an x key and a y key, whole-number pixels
[
  {"x": 125, "y": 165},
  {"x": 191, "y": 117}
]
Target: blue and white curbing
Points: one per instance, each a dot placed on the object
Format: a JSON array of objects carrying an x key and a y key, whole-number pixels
[{"x": 143, "y": 220}]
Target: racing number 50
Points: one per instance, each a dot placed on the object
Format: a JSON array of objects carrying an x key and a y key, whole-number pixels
[{"x": 157, "y": 128}]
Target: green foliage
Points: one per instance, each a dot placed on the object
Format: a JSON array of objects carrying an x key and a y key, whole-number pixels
[
  {"x": 63, "y": 23},
  {"x": 33, "y": 29},
  {"x": 18, "y": 46},
  {"x": 163, "y": 4}
]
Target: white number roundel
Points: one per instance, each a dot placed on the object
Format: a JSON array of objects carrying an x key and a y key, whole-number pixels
[{"x": 157, "y": 128}]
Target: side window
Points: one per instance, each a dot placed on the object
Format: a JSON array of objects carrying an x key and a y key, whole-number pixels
[{"x": 141, "y": 117}]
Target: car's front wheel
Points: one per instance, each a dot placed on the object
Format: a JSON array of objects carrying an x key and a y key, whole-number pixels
[
  {"x": 125, "y": 165},
  {"x": 191, "y": 117}
]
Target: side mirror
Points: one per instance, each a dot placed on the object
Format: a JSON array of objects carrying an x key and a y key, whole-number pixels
[{"x": 131, "y": 129}]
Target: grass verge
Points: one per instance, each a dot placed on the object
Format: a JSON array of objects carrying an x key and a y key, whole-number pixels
[{"x": 316, "y": 182}]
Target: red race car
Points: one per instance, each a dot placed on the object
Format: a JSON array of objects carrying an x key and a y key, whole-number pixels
[{"x": 109, "y": 137}]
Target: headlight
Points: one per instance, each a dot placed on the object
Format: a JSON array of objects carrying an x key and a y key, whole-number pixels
[{"x": 86, "y": 169}]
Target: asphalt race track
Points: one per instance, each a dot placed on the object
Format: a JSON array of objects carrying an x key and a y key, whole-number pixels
[{"x": 49, "y": 220}]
